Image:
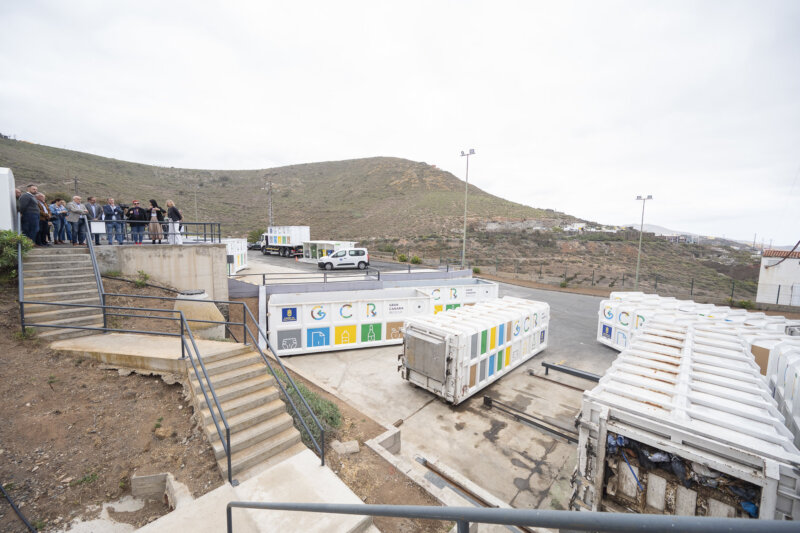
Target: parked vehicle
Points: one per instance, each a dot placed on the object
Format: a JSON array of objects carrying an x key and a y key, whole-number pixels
[
  {"x": 348, "y": 258},
  {"x": 286, "y": 241}
]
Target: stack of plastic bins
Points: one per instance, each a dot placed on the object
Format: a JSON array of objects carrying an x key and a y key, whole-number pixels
[
  {"x": 683, "y": 423},
  {"x": 786, "y": 383},
  {"x": 456, "y": 353}
]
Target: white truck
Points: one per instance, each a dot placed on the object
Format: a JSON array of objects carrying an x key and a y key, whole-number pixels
[{"x": 286, "y": 241}]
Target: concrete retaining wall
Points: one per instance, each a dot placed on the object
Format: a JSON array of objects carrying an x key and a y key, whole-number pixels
[{"x": 196, "y": 266}]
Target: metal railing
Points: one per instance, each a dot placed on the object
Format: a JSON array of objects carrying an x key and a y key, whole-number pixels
[
  {"x": 191, "y": 231},
  {"x": 569, "y": 520},
  {"x": 369, "y": 274},
  {"x": 96, "y": 269},
  {"x": 248, "y": 337}
]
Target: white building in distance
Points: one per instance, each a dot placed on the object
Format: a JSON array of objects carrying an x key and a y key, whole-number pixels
[{"x": 779, "y": 279}]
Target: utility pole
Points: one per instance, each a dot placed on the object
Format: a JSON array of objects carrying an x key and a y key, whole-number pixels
[
  {"x": 76, "y": 185},
  {"x": 268, "y": 187},
  {"x": 643, "y": 199},
  {"x": 466, "y": 189},
  {"x": 196, "y": 218},
  {"x": 269, "y": 192},
  {"x": 754, "y": 240}
]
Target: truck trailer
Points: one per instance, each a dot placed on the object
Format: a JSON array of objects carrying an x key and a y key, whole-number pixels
[{"x": 286, "y": 241}]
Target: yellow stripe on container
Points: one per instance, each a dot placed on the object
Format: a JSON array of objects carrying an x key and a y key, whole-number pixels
[{"x": 493, "y": 339}]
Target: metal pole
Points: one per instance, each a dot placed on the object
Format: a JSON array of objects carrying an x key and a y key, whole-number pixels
[
  {"x": 183, "y": 344},
  {"x": 592, "y": 277},
  {"x": 463, "y": 526},
  {"x": 778, "y": 299},
  {"x": 466, "y": 190},
  {"x": 691, "y": 289},
  {"x": 733, "y": 285},
  {"x": 656, "y": 289},
  {"x": 270, "y": 203},
  {"x": 641, "y": 232}
]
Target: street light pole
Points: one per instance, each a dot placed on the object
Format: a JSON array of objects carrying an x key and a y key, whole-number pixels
[
  {"x": 641, "y": 231},
  {"x": 466, "y": 189}
]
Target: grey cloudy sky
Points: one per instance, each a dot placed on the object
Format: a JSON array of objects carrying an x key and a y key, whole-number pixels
[{"x": 575, "y": 106}]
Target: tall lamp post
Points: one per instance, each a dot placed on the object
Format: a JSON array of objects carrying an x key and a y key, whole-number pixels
[
  {"x": 466, "y": 189},
  {"x": 641, "y": 232}
]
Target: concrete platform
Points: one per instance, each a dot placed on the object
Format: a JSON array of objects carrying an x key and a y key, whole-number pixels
[
  {"x": 298, "y": 479},
  {"x": 142, "y": 352},
  {"x": 521, "y": 465}
]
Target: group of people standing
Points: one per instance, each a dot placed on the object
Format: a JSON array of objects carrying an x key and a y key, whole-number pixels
[{"x": 65, "y": 220}]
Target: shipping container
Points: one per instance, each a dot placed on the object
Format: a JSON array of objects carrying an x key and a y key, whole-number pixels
[
  {"x": 286, "y": 241},
  {"x": 457, "y": 353},
  {"x": 306, "y": 323},
  {"x": 683, "y": 423}
]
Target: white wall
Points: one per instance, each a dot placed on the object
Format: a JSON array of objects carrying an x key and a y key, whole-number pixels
[
  {"x": 779, "y": 284},
  {"x": 8, "y": 201}
]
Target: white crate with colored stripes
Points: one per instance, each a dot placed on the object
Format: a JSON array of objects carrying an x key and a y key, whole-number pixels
[{"x": 457, "y": 353}]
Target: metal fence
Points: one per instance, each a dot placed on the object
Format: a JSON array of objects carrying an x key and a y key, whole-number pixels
[{"x": 133, "y": 231}]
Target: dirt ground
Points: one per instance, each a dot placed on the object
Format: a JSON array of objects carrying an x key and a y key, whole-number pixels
[
  {"x": 370, "y": 476},
  {"x": 74, "y": 433}
]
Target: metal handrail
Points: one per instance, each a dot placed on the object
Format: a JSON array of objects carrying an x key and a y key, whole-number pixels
[
  {"x": 319, "y": 446},
  {"x": 226, "y": 441},
  {"x": 20, "y": 284},
  {"x": 95, "y": 267},
  {"x": 211, "y": 231},
  {"x": 545, "y": 518},
  {"x": 369, "y": 271}
]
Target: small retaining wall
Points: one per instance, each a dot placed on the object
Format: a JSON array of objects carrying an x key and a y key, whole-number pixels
[{"x": 195, "y": 266}]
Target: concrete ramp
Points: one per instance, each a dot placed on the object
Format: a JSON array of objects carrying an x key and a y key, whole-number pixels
[{"x": 297, "y": 479}]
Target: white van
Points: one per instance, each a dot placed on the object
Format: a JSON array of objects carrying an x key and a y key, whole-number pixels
[{"x": 347, "y": 258}]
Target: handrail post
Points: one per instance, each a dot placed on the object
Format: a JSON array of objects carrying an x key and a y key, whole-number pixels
[
  {"x": 230, "y": 452},
  {"x": 229, "y": 511},
  {"x": 463, "y": 526},
  {"x": 183, "y": 344},
  {"x": 105, "y": 311},
  {"x": 244, "y": 324},
  {"x": 20, "y": 275}
]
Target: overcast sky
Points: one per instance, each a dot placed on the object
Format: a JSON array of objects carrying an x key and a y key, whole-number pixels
[{"x": 575, "y": 106}]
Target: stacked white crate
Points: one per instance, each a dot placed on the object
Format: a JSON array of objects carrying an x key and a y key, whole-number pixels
[
  {"x": 473, "y": 346},
  {"x": 784, "y": 382},
  {"x": 693, "y": 391}
]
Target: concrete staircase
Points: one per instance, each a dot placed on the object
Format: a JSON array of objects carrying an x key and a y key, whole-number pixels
[
  {"x": 262, "y": 432},
  {"x": 60, "y": 274}
]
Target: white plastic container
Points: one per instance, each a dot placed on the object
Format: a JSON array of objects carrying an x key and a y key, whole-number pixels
[
  {"x": 694, "y": 397},
  {"x": 307, "y": 323},
  {"x": 288, "y": 235},
  {"x": 457, "y": 353},
  {"x": 237, "y": 254}
]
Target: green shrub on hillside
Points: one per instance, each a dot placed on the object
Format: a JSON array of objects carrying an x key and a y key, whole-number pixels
[
  {"x": 9, "y": 240},
  {"x": 255, "y": 235},
  {"x": 402, "y": 258},
  {"x": 416, "y": 260},
  {"x": 476, "y": 270}
]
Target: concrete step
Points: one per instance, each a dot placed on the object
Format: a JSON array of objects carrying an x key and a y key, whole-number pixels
[
  {"x": 32, "y": 289},
  {"x": 254, "y": 434},
  {"x": 74, "y": 275},
  {"x": 64, "y": 296},
  {"x": 241, "y": 404},
  {"x": 245, "y": 420},
  {"x": 229, "y": 378},
  {"x": 55, "y": 263},
  {"x": 58, "y": 250},
  {"x": 51, "y": 334},
  {"x": 77, "y": 320},
  {"x": 242, "y": 388},
  {"x": 249, "y": 457},
  {"x": 258, "y": 468},
  {"x": 56, "y": 313},
  {"x": 232, "y": 363},
  {"x": 35, "y": 308},
  {"x": 235, "y": 350}
]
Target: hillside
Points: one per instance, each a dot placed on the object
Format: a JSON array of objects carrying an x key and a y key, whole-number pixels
[{"x": 355, "y": 199}]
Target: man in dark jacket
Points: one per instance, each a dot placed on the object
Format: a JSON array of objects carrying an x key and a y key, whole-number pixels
[
  {"x": 137, "y": 218},
  {"x": 95, "y": 214},
  {"x": 113, "y": 215},
  {"x": 29, "y": 211}
]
